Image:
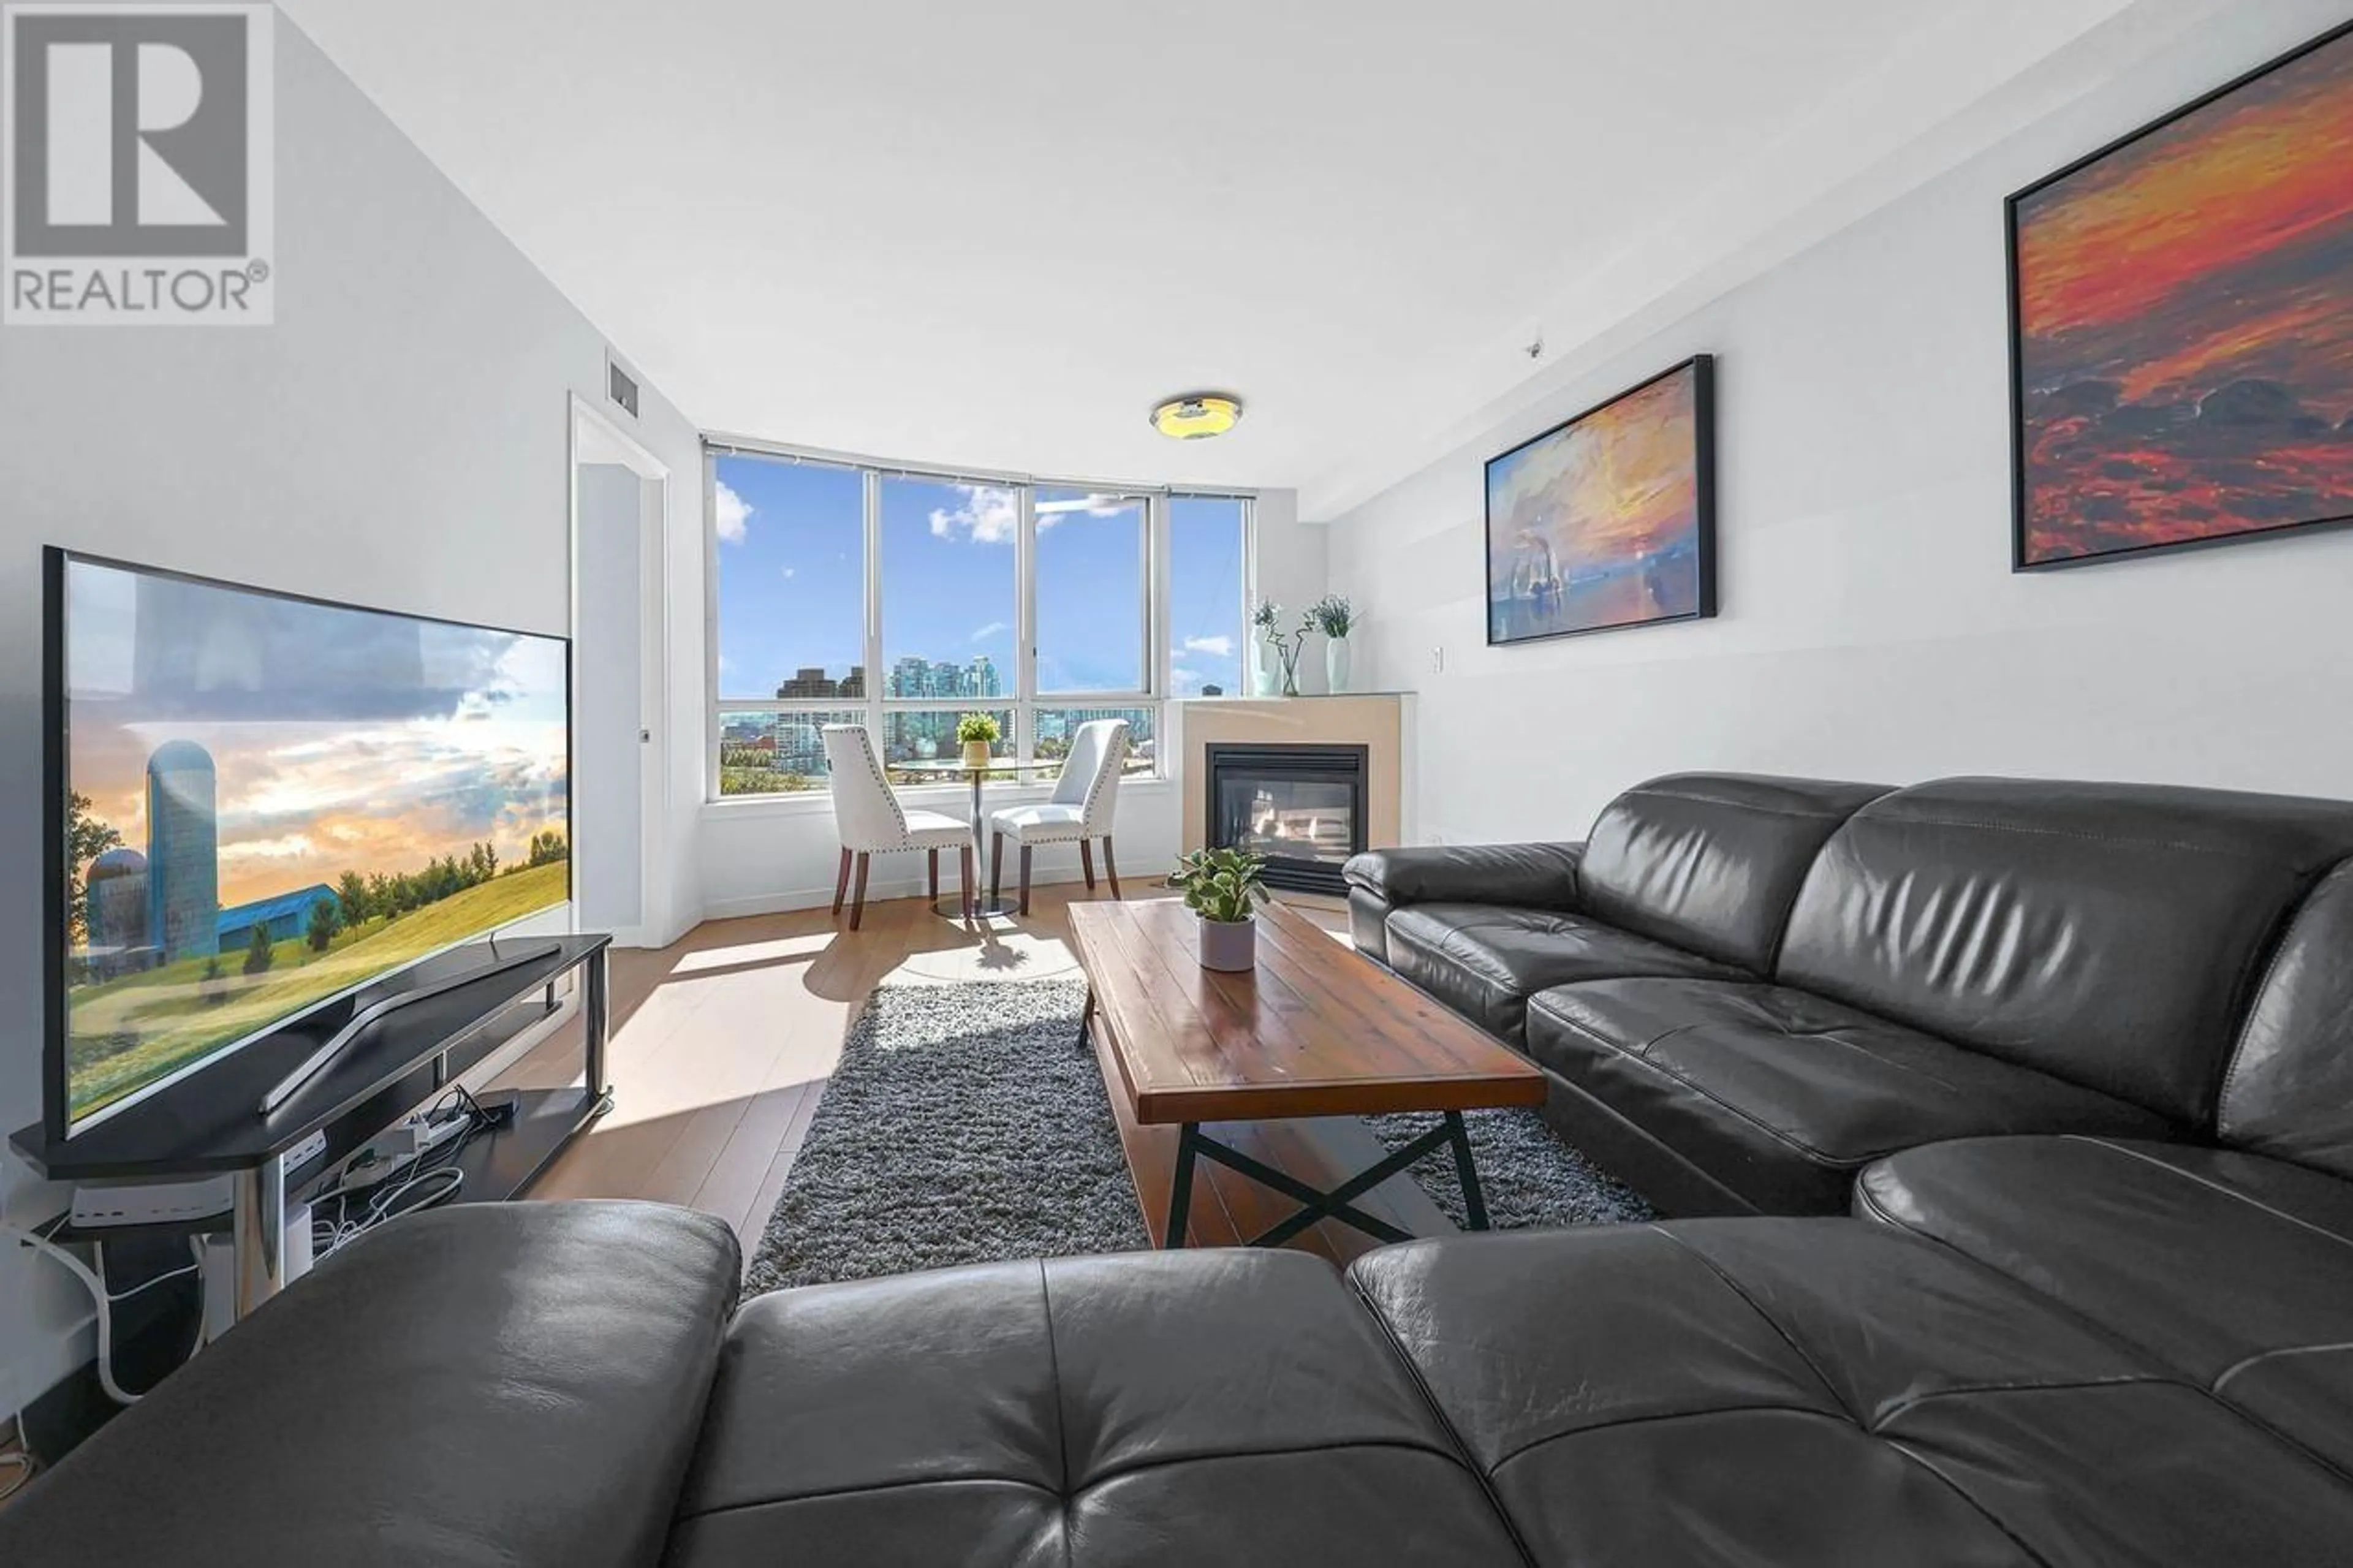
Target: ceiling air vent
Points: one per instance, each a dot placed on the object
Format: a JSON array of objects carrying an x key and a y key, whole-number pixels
[{"x": 619, "y": 386}]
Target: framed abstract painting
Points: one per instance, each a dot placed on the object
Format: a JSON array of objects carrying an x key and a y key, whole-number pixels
[
  {"x": 1607, "y": 519},
  {"x": 2181, "y": 325}
]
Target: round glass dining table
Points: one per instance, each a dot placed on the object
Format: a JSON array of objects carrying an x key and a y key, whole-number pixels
[{"x": 985, "y": 905}]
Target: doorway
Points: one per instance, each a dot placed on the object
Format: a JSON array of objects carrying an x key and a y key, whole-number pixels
[{"x": 620, "y": 496}]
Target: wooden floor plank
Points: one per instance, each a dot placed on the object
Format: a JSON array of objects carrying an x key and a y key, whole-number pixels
[{"x": 724, "y": 1041}]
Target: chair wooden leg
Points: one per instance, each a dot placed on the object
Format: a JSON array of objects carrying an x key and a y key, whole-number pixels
[
  {"x": 963, "y": 878},
  {"x": 1025, "y": 879},
  {"x": 858, "y": 900},
  {"x": 841, "y": 883},
  {"x": 932, "y": 856},
  {"x": 1110, "y": 866},
  {"x": 996, "y": 867},
  {"x": 1087, "y": 863}
]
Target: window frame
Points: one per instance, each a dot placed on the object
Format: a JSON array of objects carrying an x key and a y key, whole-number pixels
[{"x": 1022, "y": 696}]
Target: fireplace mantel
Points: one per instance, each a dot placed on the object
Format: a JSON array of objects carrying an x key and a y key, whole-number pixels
[{"x": 1380, "y": 722}]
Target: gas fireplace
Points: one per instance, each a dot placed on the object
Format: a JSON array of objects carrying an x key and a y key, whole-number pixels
[{"x": 1301, "y": 807}]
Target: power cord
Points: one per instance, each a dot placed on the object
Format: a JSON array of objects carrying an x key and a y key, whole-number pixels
[
  {"x": 18, "y": 1459},
  {"x": 96, "y": 1284},
  {"x": 433, "y": 1178}
]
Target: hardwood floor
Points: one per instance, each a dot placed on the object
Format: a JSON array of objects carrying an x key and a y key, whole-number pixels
[{"x": 722, "y": 1044}]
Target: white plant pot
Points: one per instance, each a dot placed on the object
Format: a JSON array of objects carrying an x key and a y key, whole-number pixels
[
  {"x": 1336, "y": 665},
  {"x": 1229, "y": 945}
]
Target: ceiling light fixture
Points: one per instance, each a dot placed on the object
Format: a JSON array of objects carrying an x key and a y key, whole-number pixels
[{"x": 1197, "y": 416}]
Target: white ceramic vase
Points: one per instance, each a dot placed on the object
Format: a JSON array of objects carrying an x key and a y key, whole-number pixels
[
  {"x": 1229, "y": 945},
  {"x": 1336, "y": 664},
  {"x": 1266, "y": 668}
]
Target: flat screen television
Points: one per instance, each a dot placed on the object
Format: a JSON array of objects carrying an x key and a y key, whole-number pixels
[{"x": 258, "y": 804}]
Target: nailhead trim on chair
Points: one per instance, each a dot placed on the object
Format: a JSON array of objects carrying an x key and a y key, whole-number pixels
[
  {"x": 1114, "y": 759},
  {"x": 874, "y": 770}
]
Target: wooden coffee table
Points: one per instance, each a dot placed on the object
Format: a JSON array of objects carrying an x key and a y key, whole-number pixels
[{"x": 1315, "y": 1030}]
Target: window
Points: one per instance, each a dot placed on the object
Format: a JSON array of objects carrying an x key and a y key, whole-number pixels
[
  {"x": 902, "y": 601},
  {"x": 949, "y": 587},
  {"x": 1091, "y": 586},
  {"x": 789, "y": 562},
  {"x": 1209, "y": 543},
  {"x": 1057, "y": 725},
  {"x": 776, "y": 752}
]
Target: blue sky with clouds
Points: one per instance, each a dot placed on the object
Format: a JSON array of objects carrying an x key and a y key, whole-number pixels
[{"x": 791, "y": 589}]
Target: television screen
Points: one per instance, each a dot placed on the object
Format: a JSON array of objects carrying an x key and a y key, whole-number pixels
[{"x": 268, "y": 802}]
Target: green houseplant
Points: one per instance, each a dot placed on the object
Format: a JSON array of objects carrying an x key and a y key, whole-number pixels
[
  {"x": 1335, "y": 618},
  {"x": 1223, "y": 888},
  {"x": 979, "y": 734}
]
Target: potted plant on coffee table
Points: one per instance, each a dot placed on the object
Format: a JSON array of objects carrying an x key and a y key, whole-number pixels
[
  {"x": 980, "y": 734},
  {"x": 1223, "y": 889}
]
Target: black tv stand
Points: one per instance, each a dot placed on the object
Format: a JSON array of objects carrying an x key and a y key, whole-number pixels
[{"x": 464, "y": 1009}]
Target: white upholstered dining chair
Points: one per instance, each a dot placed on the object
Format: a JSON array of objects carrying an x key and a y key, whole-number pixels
[
  {"x": 1080, "y": 812},
  {"x": 868, "y": 814}
]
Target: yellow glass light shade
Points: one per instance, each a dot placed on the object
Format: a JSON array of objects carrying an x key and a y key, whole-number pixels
[{"x": 1202, "y": 414}]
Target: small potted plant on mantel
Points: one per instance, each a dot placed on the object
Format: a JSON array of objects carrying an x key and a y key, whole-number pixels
[
  {"x": 1223, "y": 889},
  {"x": 980, "y": 734}
]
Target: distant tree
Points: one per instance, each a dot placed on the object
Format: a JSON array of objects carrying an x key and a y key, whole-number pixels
[
  {"x": 548, "y": 847},
  {"x": 325, "y": 922},
  {"x": 352, "y": 894},
  {"x": 258, "y": 952},
  {"x": 212, "y": 990},
  {"x": 87, "y": 838}
]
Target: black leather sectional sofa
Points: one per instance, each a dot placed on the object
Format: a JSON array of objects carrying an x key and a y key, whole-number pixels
[
  {"x": 2076, "y": 1058},
  {"x": 1744, "y": 991}
]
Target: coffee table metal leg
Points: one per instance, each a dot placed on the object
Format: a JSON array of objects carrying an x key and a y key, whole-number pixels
[
  {"x": 1180, "y": 1190},
  {"x": 1475, "y": 1202}
]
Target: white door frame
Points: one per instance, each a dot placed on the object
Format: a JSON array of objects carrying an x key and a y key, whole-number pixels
[{"x": 611, "y": 443}]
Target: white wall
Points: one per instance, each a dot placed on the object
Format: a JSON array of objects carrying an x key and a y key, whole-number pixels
[
  {"x": 758, "y": 856},
  {"x": 1871, "y": 627},
  {"x": 399, "y": 437}
]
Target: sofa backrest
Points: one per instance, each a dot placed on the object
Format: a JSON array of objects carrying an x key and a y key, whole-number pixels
[
  {"x": 1710, "y": 862},
  {"x": 2108, "y": 934},
  {"x": 2288, "y": 1090}
]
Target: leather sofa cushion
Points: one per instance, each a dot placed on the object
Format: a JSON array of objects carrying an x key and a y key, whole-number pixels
[
  {"x": 484, "y": 1383},
  {"x": 2288, "y": 1090},
  {"x": 2233, "y": 1270},
  {"x": 1711, "y": 862},
  {"x": 2109, "y": 934},
  {"x": 1782, "y": 1096},
  {"x": 1538, "y": 876},
  {"x": 1485, "y": 960},
  {"x": 1823, "y": 1392},
  {"x": 1210, "y": 1407}
]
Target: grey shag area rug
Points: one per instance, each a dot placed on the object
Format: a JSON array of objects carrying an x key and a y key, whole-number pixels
[{"x": 966, "y": 1124}]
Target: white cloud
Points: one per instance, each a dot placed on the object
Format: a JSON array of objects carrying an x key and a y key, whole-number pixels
[
  {"x": 1183, "y": 682},
  {"x": 790, "y": 569},
  {"x": 1216, "y": 647},
  {"x": 293, "y": 847},
  {"x": 994, "y": 628},
  {"x": 729, "y": 513},
  {"x": 983, "y": 515}
]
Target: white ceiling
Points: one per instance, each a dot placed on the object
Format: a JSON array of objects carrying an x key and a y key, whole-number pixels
[{"x": 996, "y": 233}]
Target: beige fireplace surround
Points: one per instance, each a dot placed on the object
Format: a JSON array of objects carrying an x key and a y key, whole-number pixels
[{"x": 1380, "y": 722}]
